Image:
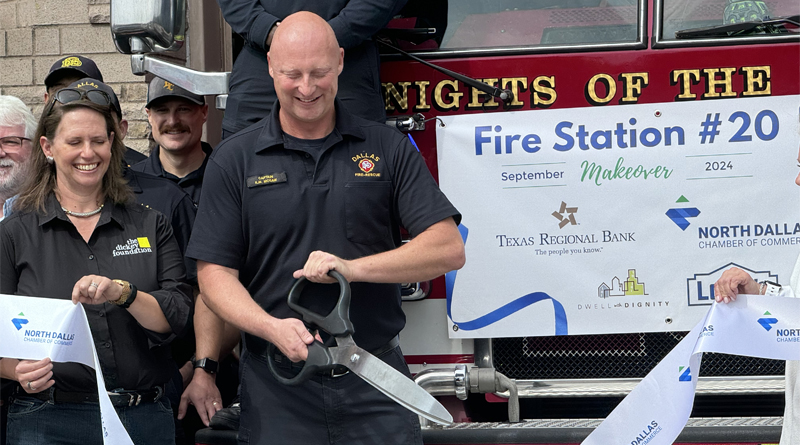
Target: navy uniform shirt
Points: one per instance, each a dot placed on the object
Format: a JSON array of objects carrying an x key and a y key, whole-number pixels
[
  {"x": 191, "y": 183},
  {"x": 133, "y": 157},
  {"x": 354, "y": 22},
  {"x": 43, "y": 255},
  {"x": 166, "y": 197},
  {"x": 267, "y": 207}
]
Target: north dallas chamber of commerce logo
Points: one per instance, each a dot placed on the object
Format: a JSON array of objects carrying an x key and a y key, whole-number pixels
[
  {"x": 134, "y": 246},
  {"x": 366, "y": 163},
  {"x": 679, "y": 215},
  {"x": 684, "y": 374},
  {"x": 700, "y": 288},
  {"x": 782, "y": 335},
  {"x": 41, "y": 336},
  {"x": 565, "y": 215},
  {"x": 18, "y": 322},
  {"x": 647, "y": 434}
]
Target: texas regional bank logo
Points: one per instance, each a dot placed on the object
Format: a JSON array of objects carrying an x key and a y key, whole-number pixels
[
  {"x": 565, "y": 215},
  {"x": 40, "y": 336},
  {"x": 700, "y": 288},
  {"x": 679, "y": 215}
]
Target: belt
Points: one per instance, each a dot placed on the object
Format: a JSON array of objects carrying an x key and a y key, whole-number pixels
[
  {"x": 338, "y": 370},
  {"x": 118, "y": 398}
]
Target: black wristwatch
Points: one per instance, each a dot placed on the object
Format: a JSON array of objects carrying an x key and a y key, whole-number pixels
[{"x": 207, "y": 364}]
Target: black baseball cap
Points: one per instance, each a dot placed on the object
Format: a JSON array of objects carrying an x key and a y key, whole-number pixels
[
  {"x": 84, "y": 66},
  {"x": 88, "y": 84},
  {"x": 160, "y": 88}
]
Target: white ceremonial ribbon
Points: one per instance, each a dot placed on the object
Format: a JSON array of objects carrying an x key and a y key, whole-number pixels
[
  {"x": 35, "y": 328},
  {"x": 657, "y": 409}
]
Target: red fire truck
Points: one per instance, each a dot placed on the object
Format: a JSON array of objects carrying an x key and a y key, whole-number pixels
[{"x": 446, "y": 60}]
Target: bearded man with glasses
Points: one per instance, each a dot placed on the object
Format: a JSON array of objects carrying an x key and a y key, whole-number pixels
[{"x": 17, "y": 125}]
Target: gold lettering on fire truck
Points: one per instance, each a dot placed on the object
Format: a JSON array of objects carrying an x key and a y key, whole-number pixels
[
  {"x": 516, "y": 85},
  {"x": 721, "y": 78},
  {"x": 392, "y": 96},
  {"x": 685, "y": 79},
  {"x": 756, "y": 80},
  {"x": 422, "y": 95},
  {"x": 543, "y": 86},
  {"x": 632, "y": 85},
  {"x": 475, "y": 102},
  {"x": 610, "y": 89},
  {"x": 449, "y": 101}
]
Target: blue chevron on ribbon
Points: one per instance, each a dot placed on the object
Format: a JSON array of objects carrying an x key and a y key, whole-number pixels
[{"x": 505, "y": 310}]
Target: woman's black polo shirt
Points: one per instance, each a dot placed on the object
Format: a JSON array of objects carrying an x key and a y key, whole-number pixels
[
  {"x": 44, "y": 256},
  {"x": 266, "y": 207}
]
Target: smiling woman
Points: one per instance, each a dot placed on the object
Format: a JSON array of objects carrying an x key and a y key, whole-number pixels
[{"x": 62, "y": 241}]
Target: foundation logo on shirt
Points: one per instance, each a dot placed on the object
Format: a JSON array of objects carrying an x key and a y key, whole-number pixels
[
  {"x": 18, "y": 322},
  {"x": 134, "y": 246},
  {"x": 367, "y": 163}
]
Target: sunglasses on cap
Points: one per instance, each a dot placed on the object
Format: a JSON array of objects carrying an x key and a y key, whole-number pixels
[{"x": 67, "y": 95}]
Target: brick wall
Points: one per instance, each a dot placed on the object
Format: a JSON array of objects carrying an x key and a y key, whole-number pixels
[{"x": 36, "y": 33}]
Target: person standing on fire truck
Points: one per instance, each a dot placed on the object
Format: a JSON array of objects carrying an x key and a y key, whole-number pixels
[
  {"x": 354, "y": 22},
  {"x": 335, "y": 189}
]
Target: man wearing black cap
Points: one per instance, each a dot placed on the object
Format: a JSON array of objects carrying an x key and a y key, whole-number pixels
[
  {"x": 176, "y": 117},
  {"x": 71, "y": 69}
]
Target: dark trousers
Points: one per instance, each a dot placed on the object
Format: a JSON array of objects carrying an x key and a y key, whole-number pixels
[
  {"x": 343, "y": 410},
  {"x": 37, "y": 422}
]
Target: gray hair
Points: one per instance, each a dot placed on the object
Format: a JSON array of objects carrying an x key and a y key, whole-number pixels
[{"x": 13, "y": 111}]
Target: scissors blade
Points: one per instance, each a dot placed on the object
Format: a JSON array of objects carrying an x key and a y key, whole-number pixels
[{"x": 391, "y": 382}]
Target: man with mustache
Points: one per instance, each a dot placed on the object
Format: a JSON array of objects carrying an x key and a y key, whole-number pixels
[{"x": 176, "y": 117}]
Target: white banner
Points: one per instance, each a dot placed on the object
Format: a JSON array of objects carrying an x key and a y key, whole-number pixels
[
  {"x": 618, "y": 219},
  {"x": 35, "y": 328},
  {"x": 657, "y": 409}
]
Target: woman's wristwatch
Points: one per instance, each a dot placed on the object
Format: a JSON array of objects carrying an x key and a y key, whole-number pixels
[
  {"x": 769, "y": 288},
  {"x": 129, "y": 292}
]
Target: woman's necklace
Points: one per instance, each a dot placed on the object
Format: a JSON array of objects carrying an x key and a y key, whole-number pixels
[{"x": 83, "y": 214}]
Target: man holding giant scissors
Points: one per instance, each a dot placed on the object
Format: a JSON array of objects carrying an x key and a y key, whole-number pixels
[{"x": 309, "y": 189}]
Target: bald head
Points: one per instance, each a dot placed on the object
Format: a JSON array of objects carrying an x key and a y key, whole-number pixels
[
  {"x": 303, "y": 29},
  {"x": 305, "y": 62}
]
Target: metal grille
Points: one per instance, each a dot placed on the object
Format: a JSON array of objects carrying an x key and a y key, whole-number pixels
[{"x": 610, "y": 356}]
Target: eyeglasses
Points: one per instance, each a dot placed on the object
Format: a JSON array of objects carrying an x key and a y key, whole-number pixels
[
  {"x": 12, "y": 144},
  {"x": 67, "y": 95}
]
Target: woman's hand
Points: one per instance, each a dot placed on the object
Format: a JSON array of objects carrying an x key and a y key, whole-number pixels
[
  {"x": 733, "y": 282},
  {"x": 34, "y": 376},
  {"x": 94, "y": 289}
]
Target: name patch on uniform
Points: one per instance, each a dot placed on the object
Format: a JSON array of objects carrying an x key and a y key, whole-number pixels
[
  {"x": 272, "y": 178},
  {"x": 366, "y": 163}
]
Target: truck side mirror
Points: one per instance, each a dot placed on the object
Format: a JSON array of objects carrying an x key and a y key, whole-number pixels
[{"x": 150, "y": 26}]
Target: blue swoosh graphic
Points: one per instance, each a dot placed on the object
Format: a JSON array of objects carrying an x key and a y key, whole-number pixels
[
  {"x": 503, "y": 311},
  {"x": 18, "y": 322},
  {"x": 767, "y": 322}
]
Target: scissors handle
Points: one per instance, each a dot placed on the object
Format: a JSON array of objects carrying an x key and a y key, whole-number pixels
[
  {"x": 319, "y": 359},
  {"x": 337, "y": 322}
]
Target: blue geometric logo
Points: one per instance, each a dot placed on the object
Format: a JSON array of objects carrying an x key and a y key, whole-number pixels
[
  {"x": 686, "y": 376},
  {"x": 18, "y": 322},
  {"x": 767, "y": 323},
  {"x": 678, "y": 216}
]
